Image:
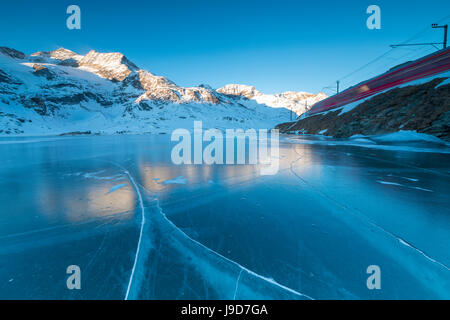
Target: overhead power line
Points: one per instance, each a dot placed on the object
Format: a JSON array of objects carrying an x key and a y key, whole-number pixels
[
  {"x": 425, "y": 47},
  {"x": 404, "y": 44}
]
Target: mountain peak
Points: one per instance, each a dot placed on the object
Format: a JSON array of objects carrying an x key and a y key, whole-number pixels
[
  {"x": 239, "y": 90},
  {"x": 113, "y": 65},
  {"x": 62, "y": 56},
  {"x": 58, "y": 54}
]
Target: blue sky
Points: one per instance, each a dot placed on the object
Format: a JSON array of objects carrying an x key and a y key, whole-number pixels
[{"x": 274, "y": 45}]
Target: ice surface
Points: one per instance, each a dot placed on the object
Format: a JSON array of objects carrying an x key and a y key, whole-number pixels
[{"x": 310, "y": 231}]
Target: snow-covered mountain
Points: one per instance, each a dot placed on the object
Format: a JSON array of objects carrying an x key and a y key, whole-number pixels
[
  {"x": 63, "y": 92},
  {"x": 298, "y": 102}
]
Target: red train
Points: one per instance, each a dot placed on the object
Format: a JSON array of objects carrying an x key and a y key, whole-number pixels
[{"x": 426, "y": 66}]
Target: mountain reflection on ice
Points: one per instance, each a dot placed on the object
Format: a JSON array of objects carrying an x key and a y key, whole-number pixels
[{"x": 310, "y": 231}]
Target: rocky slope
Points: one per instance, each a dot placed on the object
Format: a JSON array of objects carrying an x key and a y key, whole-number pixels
[
  {"x": 61, "y": 91},
  {"x": 298, "y": 102},
  {"x": 423, "y": 106}
]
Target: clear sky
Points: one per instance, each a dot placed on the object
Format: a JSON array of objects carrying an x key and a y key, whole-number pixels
[{"x": 274, "y": 45}]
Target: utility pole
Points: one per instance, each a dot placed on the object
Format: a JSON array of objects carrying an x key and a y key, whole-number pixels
[
  {"x": 333, "y": 88},
  {"x": 445, "y": 27},
  {"x": 434, "y": 26}
]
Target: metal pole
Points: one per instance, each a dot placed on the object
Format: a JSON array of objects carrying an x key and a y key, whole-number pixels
[
  {"x": 445, "y": 35},
  {"x": 445, "y": 27}
]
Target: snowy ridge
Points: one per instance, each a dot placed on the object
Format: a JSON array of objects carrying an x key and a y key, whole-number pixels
[{"x": 298, "y": 102}]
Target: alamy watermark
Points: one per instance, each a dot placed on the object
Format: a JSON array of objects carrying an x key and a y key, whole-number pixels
[
  {"x": 221, "y": 147},
  {"x": 74, "y": 20},
  {"x": 73, "y": 282},
  {"x": 374, "y": 20},
  {"x": 374, "y": 280}
]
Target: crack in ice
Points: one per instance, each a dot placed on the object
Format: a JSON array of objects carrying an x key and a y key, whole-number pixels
[
  {"x": 237, "y": 284},
  {"x": 269, "y": 280},
  {"x": 343, "y": 206},
  {"x": 141, "y": 204}
]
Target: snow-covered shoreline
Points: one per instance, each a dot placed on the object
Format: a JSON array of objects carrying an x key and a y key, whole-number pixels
[{"x": 411, "y": 141}]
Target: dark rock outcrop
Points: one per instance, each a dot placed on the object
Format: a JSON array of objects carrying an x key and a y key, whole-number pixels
[
  {"x": 6, "y": 78},
  {"x": 41, "y": 71},
  {"x": 13, "y": 53}
]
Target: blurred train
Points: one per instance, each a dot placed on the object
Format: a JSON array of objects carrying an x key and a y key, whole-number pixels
[{"x": 421, "y": 68}]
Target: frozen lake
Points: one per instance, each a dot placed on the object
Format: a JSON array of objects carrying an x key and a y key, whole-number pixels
[{"x": 140, "y": 227}]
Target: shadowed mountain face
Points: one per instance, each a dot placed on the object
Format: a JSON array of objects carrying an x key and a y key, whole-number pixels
[
  {"x": 424, "y": 108},
  {"x": 61, "y": 91},
  {"x": 12, "y": 53}
]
